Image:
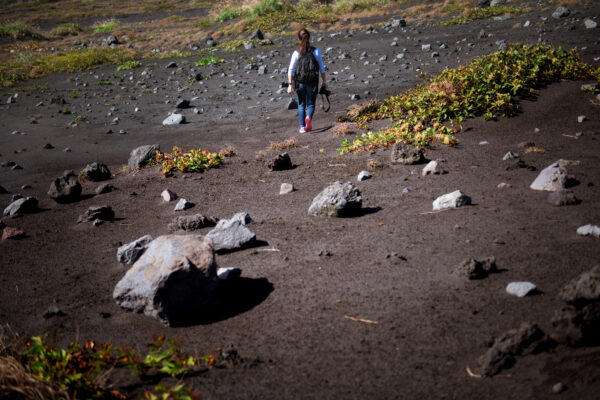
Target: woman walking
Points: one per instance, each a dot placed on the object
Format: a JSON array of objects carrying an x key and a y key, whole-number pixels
[{"x": 303, "y": 76}]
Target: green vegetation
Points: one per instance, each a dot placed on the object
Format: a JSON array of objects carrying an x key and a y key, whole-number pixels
[
  {"x": 103, "y": 83},
  {"x": 79, "y": 117},
  {"x": 106, "y": 26},
  {"x": 471, "y": 14},
  {"x": 33, "y": 88},
  {"x": 66, "y": 29},
  {"x": 229, "y": 13},
  {"x": 74, "y": 94},
  {"x": 486, "y": 86},
  {"x": 212, "y": 59},
  {"x": 81, "y": 371},
  {"x": 160, "y": 7},
  {"x": 350, "y": 6},
  {"x": 195, "y": 160},
  {"x": 20, "y": 31},
  {"x": 174, "y": 54}
]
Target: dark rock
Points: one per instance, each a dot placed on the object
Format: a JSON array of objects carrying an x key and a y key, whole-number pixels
[
  {"x": 3, "y": 190},
  {"x": 96, "y": 172},
  {"x": 182, "y": 103},
  {"x": 337, "y": 200},
  {"x": 292, "y": 104},
  {"x": 172, "y": 64},
  {"x": 58, "y": 100},
  {"x": 583, "y": 290},
  {"x": 257, "y": 34},
  {"x": 474, "y": 269},
  {"x": 280, "y": 163},
  {"x": 130, "y": 252},
  {"x": 48, "y": 146},
  {"x": 103, "y": 213},
  {"x": 138, "y": 158},
  {"x": 54, "y": 311},
  {"x": 22, "y": 205},
  {"x": 528, "y": 339},
  {"x": 192, "y": 222},
  {"x": 406, "y": 154},
  {"x": 105, "y": 188},
  {"x": 577, "y": 326},
  {"x": 109, "y": 41},
  {"x": 65, "y": 189},
  {"x": 563, "y": 197}
]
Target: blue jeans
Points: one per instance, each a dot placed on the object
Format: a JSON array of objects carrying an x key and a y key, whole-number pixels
[{"x": 307, "y": 96}]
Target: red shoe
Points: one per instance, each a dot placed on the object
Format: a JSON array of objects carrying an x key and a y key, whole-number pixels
[{"x": 308, "y": 126}]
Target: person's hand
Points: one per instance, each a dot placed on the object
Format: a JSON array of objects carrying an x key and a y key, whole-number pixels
[
  {"x": 289, "y": 90},
  {"x": 324, "y": 85}
]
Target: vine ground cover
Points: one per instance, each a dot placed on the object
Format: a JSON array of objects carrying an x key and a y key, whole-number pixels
[{"x": 486, "y": 86}]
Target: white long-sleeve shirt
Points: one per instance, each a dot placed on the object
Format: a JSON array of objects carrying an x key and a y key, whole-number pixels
[{"x": 296, "y": 56}]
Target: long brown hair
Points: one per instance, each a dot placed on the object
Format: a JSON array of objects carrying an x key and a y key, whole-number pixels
[{"x": 304, "y": 38}]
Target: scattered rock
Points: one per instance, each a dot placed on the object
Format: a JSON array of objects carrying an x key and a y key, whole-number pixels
[
  {"x": 292, "y": 104},
  {"x": 183, "y": 205},
  {"x": 504, "y": 185},
  {"x": 192, "y": 222},
  {"x": 182, "y": 103},
  {"x": 3, "y": 190},
  {"x": 432, "y": 168},
  {"x": 528, "y": 339},
  {"x": 520, "y": 289},
  {"x": 286, "y": 188},
  {"x": 243, "y": 217},
  {"x": 451, "y": 200},
  {"x": 474, "y": 269},
  {"x": 111, "y": 40},
  {"x": 590, "y": 23},
  {"x": 230, "y": 234},
  {"x": 230, "y": 273},
  {"x": 551, "y": 178},
  {"x": 138, "y": 158},
  {"x": 54, "y": 311},
  {"x": 280, "y": 163},
  {"x": 172, "y": 64},
  {"x": 96, "y": 172},
  {"x": 563, "y": 197},
  {"x": 174, "y": 119},
  {"x": 510, "y": 155},
  {"x": 406, "y": 154},
  {"x": 105, "y": 188},
  {"x": 558, "y": 388},
  {"x": 581, "y": 118},
  {"x": 363, "y": 176},
  {"x": 494, "y": 3},
  {"x": 12, "y": 233},
  {"x": 103, "y": 213},
  {"x": 584, "y": 289},
  {"x": 337, "y": 200},
  {"x": 130, "y": 252},
  {"x": 561, "y": 12},
  {"x": 173, "y": 279},
  {"x": 65, "y": 189},
  {"x": 21, "y": 206},
  {"x": 167, "y": 195},
  {"x": 588, "y": 230},
  {"x": 257, "y": 34}
]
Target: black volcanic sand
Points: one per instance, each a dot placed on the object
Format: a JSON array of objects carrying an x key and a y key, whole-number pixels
[{"x": 287, "y": 317}]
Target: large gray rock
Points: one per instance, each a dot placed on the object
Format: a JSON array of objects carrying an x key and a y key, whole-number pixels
[
  {"x": 231, "y": 234},
  {"x": 192, "y": 222},
  {"x": 451, "y": 200},
  {"x": 584, "y": 289},
  {"x": 20, "y": 206},
  {"x": 551, "y": 178},
  {"x": 520, "y": 289},
  {"x": 138, "y": 158},
  {"x": 96, "y": 172},
  {"x": 65, "y": 189},
  {"x": 406, "y": 154},
  {"x": 130, "y": 252},
  {"x": 589, "y": 229},
  {"x": 103, "y": 213},
  {"x": 590, "y": 23},
  {"x": 174, "y": 278},
  {"x": 174, "y": 119},
  {"x": 337, "y": 200}
]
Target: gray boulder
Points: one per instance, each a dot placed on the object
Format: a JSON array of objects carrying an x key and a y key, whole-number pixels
[
  {"x": 551, "y": 178},
  {"x": 96, "y": 172},
  {"x": 561, "y": 12},
  {"x": 257, "y": 34},
  {"x": 587, "y": 230},
  {"x": 337, "y": 200},
  {"x": 520, "y": 289},
  {"x": 65, "y": 189},
  {"x": 174, "y": 119},
  {"x": 192, "y": 222},
  {"x": 584, "y": 289},
  {"x": 174, "y": 278},
  {"x": 105, "y": 188},
  {"x": 231, "y": 234},
  {"x": 138, "y": 158},
  {"x": 130, "y": 252},
  {"x": 590, "y": 23},
  {"x": 183, "y": 205},
  {"x": 21, "y": 206},
  {"x": 406, "y": 154},
  {"x": 451, "y": 200},
  {"x": 102, "y": 213}
]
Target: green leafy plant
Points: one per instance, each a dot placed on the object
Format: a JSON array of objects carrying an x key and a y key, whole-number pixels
[
  {"x": 79, "y": 117},
  {"x": 74, "y": 94},
  {"x": 212, "y": 59},
  {"x": 194, "y": 160},
  {"x": 486, "y": 86}
]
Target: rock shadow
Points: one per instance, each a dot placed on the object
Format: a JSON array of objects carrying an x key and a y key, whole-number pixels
[{"x": 232, "y": 297}]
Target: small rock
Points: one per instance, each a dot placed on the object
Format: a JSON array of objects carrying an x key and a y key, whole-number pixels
[
  {"x": 280, "y": 163},
  {"x": 563, "y": 197},
  {"x": 510, "y": 155},
  {"x": 129, "y": 253},
  {"x": 474, "y": 269},
  {"x": 230, "y": 234},
  {"x": 230, "y": 273},
  {"x": 581, "y": 118},
  {"x": 182, "y": 205},
  {"x": 286, "y": 188},
  {"x": 363, "y": 175},
  {"x": 103, "y": 213},
  {"x": 182, "y": 103},
  {"x": 20, "y": 206},
  {"x": 96, "y": 172},
  {"x": 432, "y": 168},
  {"x": 551, "y": 178},
  {"x": 172, "y": 64},
  {"x": 355, "y": 97},
  {"x": 451, "y": 200},
  {"x": 590, "y": 23},
  {"x": 12, "y": 233},
  {"x": 587, "y": 230},
  {"x": 174, "y": 119},
  {"x": 138, "y": 158},
  {"x": 105, "y": 188},
  {"x": 54, "y": 311},
  {"x": 167, "y": 195},
  {"x": 561, "y": 12},
  {"x": 584, "y": 289},
  {"x": 406, "y": 154},
  {"x": 65, "y": 189},
  {"x": 484, "y": 142},
  {"x": 425, "y": 47},
  {"x": 520, "y": 289},
  {"x": 292, "y": 104},
  {"x": 558, "y": 388},
  {"x": 257, "y": 34},
  {"x": 192, "y": 222},
  {"x": 337, "y": 200}
]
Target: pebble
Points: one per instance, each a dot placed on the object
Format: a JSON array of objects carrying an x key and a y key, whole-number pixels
[
  {"x": 167, "y": 195},
  {"x": 183, "y": 204},
  {"x": 520, "y": 289},
  {"x": 558, "y": 388},
  {"x": 581, "y": 118},
  {"x": 504, "y": 185},
  {"x": 286, "y": 188},
  {"x": 510, "y": 155},
  {"x": 432, "y": 168},
  {"x": 483, "y": 143},
  {"x": 587, "y": 230},
  {"x": 363, "y": 175}
]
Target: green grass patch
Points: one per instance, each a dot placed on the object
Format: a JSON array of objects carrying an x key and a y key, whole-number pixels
[
  {"x": 129, "y": 65},
  {"x": 229, "y": 13},
  {"x": 106, "y": 26},
  {"x": 351, "y": 6},
  {"x": 20, "y": 31},
  {"x": 66, "y": 29},
  {"x": 471, "y": 14},
  {"x": 487, "y": 86},
  {"x": 103, "y": 83},
  {"x": 212, "y": 59},
  {"x": 159, "y": 7},
  {"x": 74, "y": 94},
  {"x": 33, "y": 88}
]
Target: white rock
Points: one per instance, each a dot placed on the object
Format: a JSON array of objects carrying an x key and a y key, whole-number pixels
[
  {"x": 224, "y": 274},
  {"x": 590, "y": 23},
  {"x": 483, "y": 143},
  {"x": 167, "y": 195},
  {"x": 363, "y": 176},
  {"x": 581, "y": 118},
  {"x": 451, "y": 200},
  {"x": 504, "y": 185},
  {"x": 520, "y": 289},
  {"x": 510, "y": 155},
  {"x": 174, "y": 119},
  {"x": 433, "y": 168},
  {"x": 183, "y": 204},
  {"x": 587, "y": 230},
  {"x": 286, "y": 188},
  {"x": 551, "y": 178}
]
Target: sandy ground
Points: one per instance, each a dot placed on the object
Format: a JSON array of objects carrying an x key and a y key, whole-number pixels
[{"x": 287, "y": 317}]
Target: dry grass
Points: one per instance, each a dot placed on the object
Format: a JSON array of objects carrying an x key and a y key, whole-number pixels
[
  {"x": 228, "y": 151},
  {"x": 285, "y": 144},
  {"x": 344, "y": 128},
  {"x": 534, "y": 150}
]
